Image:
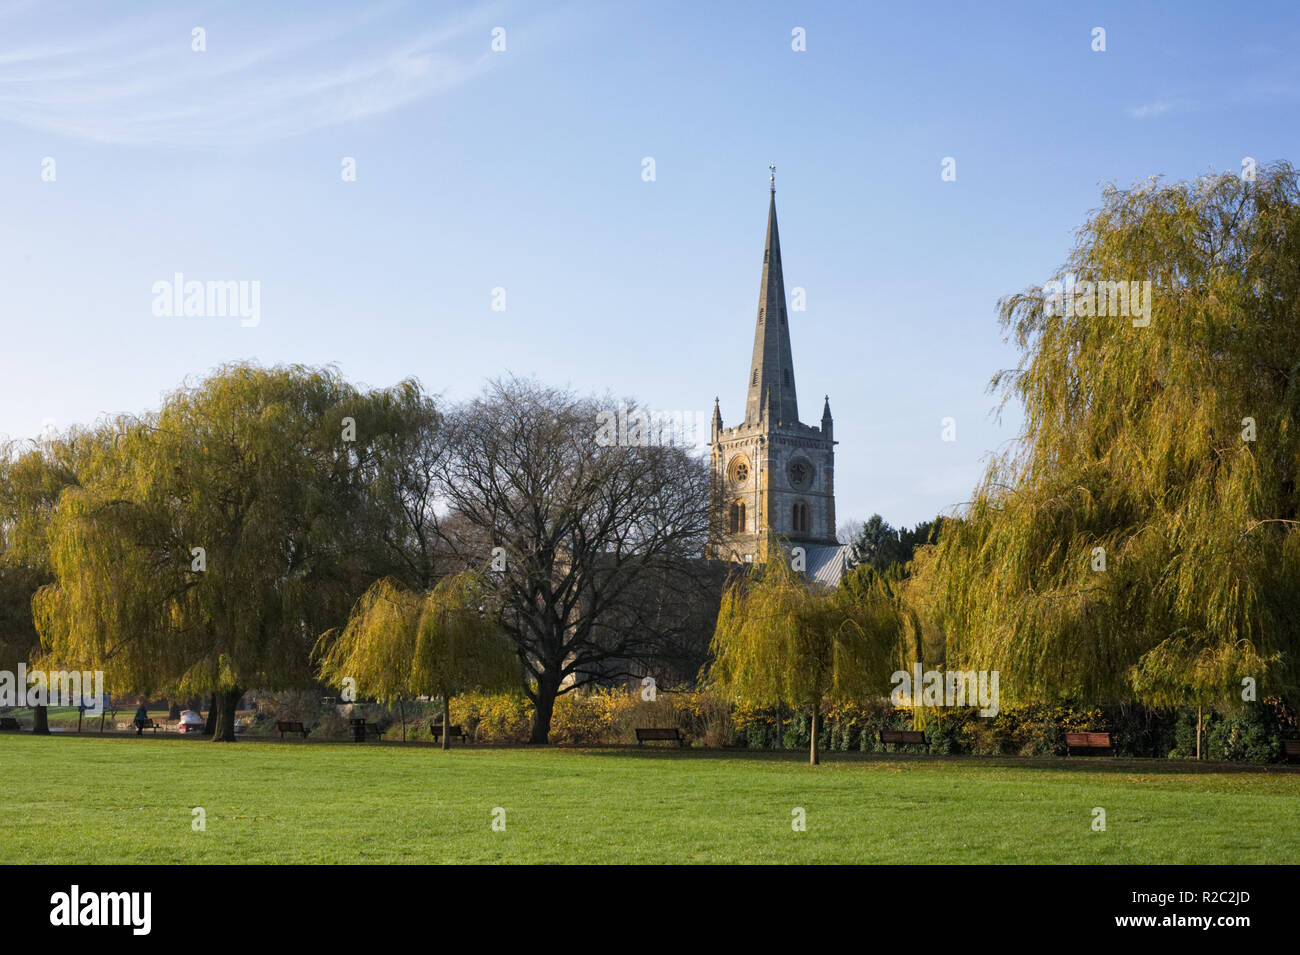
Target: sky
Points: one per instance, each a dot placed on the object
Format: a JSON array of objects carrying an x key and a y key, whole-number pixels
[{"x": 128, "y": 156}]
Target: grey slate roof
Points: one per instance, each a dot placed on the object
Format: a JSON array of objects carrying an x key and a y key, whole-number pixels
[{"x": 826, "y": 563}]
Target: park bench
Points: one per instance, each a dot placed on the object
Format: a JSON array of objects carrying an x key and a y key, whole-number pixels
[
  {"x": 456, "y": 730},
  {"x": 1087, "y": 743},
  {"x": 290, "y": 726},
  {"x": 10, "y": 723},
  {"x": 148, "y": 724},
  {"x": 372, "y": 729},
  {"x": 1290, "y": 749},
  {"x": 902, "y": 738},
  {"x": 659, "y": 732}
]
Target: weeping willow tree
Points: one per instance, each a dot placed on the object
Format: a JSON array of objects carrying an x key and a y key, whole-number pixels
[
  {"x": 398, "y": 644},
  {"x": 32, "y": 477},
  {"x": 205, "y": 545},
  {"x": 1147, "y": 520},
  {"x": 1193, "y": 671},
  {"x": 779, "y": 642}
]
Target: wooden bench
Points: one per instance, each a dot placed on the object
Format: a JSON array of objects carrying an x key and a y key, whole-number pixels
[
  {"x": 372, "y": 729},
  {"x": 149, "y": 724},
  {"x": 1290, "y": 749},
  {"x": 290, "y": 726},
  {"x": 660, "y": 732},
  {"x": 902, "y": 738},
  {"x": 1087, "y": 743},
  {"x": 455, "y": 731},
  {"x": 10, "y": 723}
]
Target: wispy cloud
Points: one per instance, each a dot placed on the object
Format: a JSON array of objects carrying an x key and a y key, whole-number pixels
[
  {"x": 1147, "y": 110},
  {"x": 142, "y": 84},
  {"x": 1274, "y": 80}
]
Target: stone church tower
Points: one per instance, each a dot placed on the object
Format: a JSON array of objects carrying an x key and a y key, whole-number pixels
[{"x": 773, "y": 476}]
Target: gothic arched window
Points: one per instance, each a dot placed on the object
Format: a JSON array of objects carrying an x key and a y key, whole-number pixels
[
  {"x": 800, "y": 518},
  {"x": 738, "y": 517}
]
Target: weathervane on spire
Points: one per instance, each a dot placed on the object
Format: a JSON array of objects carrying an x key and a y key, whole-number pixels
[{"x": 772, "y": 178}]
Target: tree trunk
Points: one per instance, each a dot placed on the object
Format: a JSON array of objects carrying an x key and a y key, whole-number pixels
[
  {"x": 778, "y": 728},
  {"x": 1198, "y": 731},
  {"x": 446, "y": 721},
  {"x": 41, "y": 720},
  {"x": 814, "y": 757},
  {"x": 224, "y": 731},
  {"x": 214, "y": 707},
  {"x": 173, "y": 710},
  {"x": 543, "y": 708},
  {"x": 401, "y": 710}
]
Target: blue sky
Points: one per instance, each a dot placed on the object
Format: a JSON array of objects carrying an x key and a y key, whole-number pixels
[{"x": 522, "y": 170}]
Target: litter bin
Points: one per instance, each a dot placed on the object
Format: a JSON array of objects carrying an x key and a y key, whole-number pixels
[{"x": 358, "y": 730}]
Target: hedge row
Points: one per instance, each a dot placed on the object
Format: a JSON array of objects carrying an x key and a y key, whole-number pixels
[{"x": 609, "y": 717}]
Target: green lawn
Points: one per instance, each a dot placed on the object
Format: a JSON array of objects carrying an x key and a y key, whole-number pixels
[{"x": 65, "y": 799}]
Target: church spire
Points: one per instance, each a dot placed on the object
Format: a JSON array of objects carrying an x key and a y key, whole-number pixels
[{"x": 771, "y": 373}]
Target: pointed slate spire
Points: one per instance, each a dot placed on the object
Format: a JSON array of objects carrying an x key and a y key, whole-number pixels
[{"x": 771, "y": 373}]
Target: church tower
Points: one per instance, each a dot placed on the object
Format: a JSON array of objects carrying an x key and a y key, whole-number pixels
[{"x": 773, "y": 476}]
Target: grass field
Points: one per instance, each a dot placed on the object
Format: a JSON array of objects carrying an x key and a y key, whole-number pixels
[{"x": 65, "y": 799}]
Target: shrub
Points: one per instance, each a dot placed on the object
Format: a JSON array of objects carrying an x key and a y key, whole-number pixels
[
  {"x": 1252, "y": 734},
  {"x": 493, "y": 717},
  {"x": 595, "y": 717}
]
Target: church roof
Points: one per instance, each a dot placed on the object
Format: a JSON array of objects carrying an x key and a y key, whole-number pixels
[
  {"x": 824, "y": 564},
  {"x": 771, "y": 373},
  {"x": 827, "y": 563}
]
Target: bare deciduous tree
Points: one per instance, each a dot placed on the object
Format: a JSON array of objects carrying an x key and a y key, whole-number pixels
[{"x": 592, "y": 536}]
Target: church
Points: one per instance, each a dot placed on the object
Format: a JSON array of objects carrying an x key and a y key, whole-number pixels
[{"x": 773, "y": 475}]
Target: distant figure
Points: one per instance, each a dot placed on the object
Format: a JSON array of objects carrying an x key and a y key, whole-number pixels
[{"x": 141, "y": 719}]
